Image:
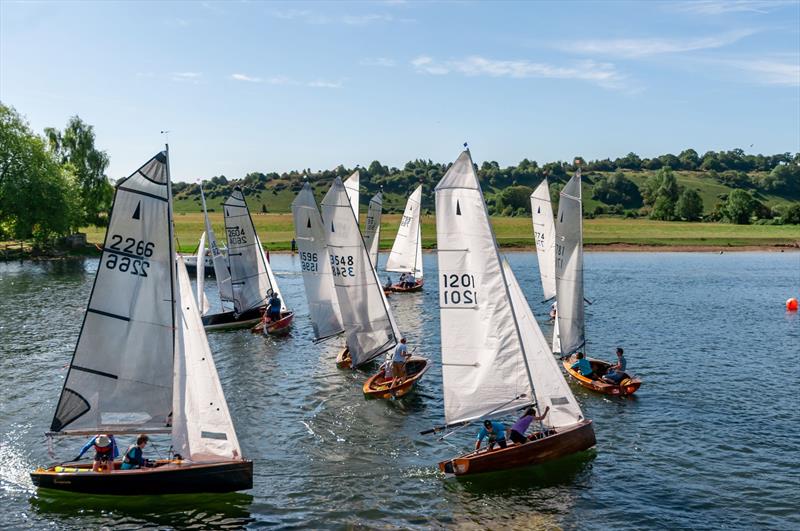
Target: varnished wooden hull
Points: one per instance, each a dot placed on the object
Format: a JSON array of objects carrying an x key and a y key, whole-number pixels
[
  {"x": 566, "y": 441},
  {"x": 343, "y": 360},
  {"x": 377, "y": 386},
  {"x": 168, "y": 477},
  {"x": 230, "y": 321},
  {"x": 397, "y": 288},
  {"x": 281, "y": 326},
  {"x": 627, "y": 386}
]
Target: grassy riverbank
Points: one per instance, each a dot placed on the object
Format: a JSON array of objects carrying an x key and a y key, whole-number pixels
[{"x": 276, "y": 232}]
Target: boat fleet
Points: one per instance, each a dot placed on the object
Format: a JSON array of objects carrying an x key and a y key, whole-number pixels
[{"x": 142, "y": 363}]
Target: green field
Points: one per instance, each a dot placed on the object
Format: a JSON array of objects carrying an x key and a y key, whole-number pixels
[{"x": 276, "y": 232}]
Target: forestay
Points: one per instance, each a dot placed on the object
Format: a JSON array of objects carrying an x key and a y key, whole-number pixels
[
  {"x": 120, "y": 377},
  {"x": 406, "y": 255},
  {"x": 372, "y": 228},
  {"x": 249, "y": 278},
  {"x": 370, "y": 330},
  {"x": 323, "y": 305},
  {"x": 202, "y": 300},
  {"x": 549, "y": 384},
  {"x": 352, "y": 185},
  {"x": 544, "y": 234},
  {"x": 221, "y": 271},
  {"x": 202, "y": 429},
  {"x": 569, "y": 267},
  {"x": 483, "y": 364}
]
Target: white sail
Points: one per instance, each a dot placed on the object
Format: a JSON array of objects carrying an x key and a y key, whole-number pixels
[
  {"x": 406, "y": 255},
  {"x": 323, "y": 305},
  {"x": 352, "y": 185},
  {"x": 369, "y": 327},
  {"x": 202, "y": 300},
  {"x": 202, "y": 429},
  {"x": 264, "y": 266},
  {"x": 120, "y": 377},
  {"x": 544, "y": 234},
  {"x": 221, "y": 271},
  {"x": 569, "y": 267},
  {"x": 249, "y": 278},
  {"x": 483, "y": 364},
  {"x": 556, "y": 340},
  {"x": 372, "y": 228},
  {"x": 550, "y": 387}
]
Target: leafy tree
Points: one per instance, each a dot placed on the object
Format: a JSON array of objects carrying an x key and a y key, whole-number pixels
[
  {"x": 689, "y": 205},
  {"x": 652, "y": 164},
  {"x": 739, "y": 207},
  {"x": 76, "y": 147},
  {"x": 689, "y": 159},
  {"x": 514, "y": 197},
  {"x": 670, "y": 161},
  {"x": 376, "y": 169},
  {"x": 711, "y": 162},
  {"x": 631, "y": 161},
  {"x": 661, "y": 191},
  {"x": 792, "y": 215},
  {"x": 663, "y": 209},
  {"x": 617, "y": 189}
]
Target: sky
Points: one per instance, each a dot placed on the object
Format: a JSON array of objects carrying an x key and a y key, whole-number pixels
[{"x": 247, "y": 86}]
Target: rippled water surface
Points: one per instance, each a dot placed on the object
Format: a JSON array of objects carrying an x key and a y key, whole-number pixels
[{"x": 710, "y": 441}]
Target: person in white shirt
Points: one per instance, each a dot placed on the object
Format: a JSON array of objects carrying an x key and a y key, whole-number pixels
[{"x": 399, "y": 360}]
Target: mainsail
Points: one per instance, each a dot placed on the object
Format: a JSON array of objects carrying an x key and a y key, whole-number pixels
[
  {"x": 202, "y": 301},
  {"x": 120, "y": 377},
  {"x": 372, "y": 228},
  {"x": 569, "y": 267},
  {"x": 352, "y": 187},
  {"x": 249, "y": 278},
  {"x": 369, "y": 327},
  {"x": 221, "y": 271},
  {"x": 544, "y": 234},
  {"x": 483, "y": 360},
  {"x": 323, "y": 305},
  {"x": 406, "y": 255},
  {"x": 202, "y": 429}
]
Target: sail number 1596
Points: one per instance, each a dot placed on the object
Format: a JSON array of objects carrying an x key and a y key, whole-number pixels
[{"x": 458, "y": 290}]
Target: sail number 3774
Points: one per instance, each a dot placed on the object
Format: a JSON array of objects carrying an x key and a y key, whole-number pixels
[{"x": 458, "y": 290}]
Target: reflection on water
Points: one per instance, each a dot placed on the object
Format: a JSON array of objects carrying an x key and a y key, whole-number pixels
[{"x": 688, "y": 451}]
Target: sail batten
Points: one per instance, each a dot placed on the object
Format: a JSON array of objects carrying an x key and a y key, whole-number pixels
[
  {"x": 569, "y": 268},
  {"x": 369, "y": 326},
  {"x": 406, "y": 254},
  {"x": 323, "y": 304}
]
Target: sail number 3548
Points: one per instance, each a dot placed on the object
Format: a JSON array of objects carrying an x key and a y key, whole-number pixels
[
  {"x": 342, "y": 266},
  {"x": 458, "y": 290},
  {"x": 120, "y": 255}
]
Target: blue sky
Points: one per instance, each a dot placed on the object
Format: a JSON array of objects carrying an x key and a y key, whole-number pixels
[{"x": 262, "y": 86}]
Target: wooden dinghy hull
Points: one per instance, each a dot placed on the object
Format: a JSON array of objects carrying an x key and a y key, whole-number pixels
[
  {"x": 377, "y": 386},
  {"x": 397, "y": 288},
  {"x": 343, "y": 360},
  {"x": 230, "y": 321},
  {"x": 626, "y": 387},
  {"x": 281, "y": 326},
  {"x": 167, "y": 477},
  {"x": 564, "y": 442}
]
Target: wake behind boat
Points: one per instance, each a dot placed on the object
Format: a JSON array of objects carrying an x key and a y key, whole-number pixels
[{"x": 160, "y": 377}]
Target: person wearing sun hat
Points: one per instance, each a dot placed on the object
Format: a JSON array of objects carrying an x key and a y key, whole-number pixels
[{"x": 105, "y": 451}]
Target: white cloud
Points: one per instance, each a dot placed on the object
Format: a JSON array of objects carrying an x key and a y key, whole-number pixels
[
  {"x": 603, "y": 74},
  {"x": 362, "y": 20},
  {"x": 634, "y": 48},
  {"x": 377, "y": 61},
  {"x": 312, "y": 17},
  {"x": 320, "y": 83},
  {"x": 245, "y": 77},
  {"x": 719, "y": 7},
  {"x": 770, "y": 71},
  {"x": 280, "y": 80},
  {"x": 187, "y": 77}
]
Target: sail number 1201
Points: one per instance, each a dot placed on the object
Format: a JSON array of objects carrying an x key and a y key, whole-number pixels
[{"x": 458, "y": 290}]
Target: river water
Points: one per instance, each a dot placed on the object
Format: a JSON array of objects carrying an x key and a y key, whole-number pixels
[{"x": 710, "y": 441}]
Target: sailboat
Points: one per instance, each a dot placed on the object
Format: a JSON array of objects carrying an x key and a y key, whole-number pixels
[
  {"x": 406, "y": 255},
  {"x": 215, "y": 258},
  {"x": 251, "y": 276},
  {"x": 495, "y": 359},
  {"x": 569, "y": 292},
  {"x": 142, "y": 363},
  {"x": 370, "y": 328},
  {"x": 323, "y": 305},
  {"x": 544, "y": 234}
]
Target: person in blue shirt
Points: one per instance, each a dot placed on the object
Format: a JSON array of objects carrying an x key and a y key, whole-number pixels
[
  {"x": 616, "y": 373},
  {"x": 105, "y": 451},
  {"x": 274, "y": 307},
  {"x": 134, "y": 457},
  {"x": 494, "y": 431},
  {"x": 582, "y": 365}
]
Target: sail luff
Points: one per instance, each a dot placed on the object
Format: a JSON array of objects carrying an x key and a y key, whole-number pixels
[
  {"x": 569, "y": 268},
  {"x": 544, "y": 234}
]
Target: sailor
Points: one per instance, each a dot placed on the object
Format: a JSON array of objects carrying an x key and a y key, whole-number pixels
[
  {"x": 105, "y": 450},
  {"x": 616, "y": 373},
  {"x": 274, "y": 306},
  {"x": 410, "y": 280},
  {"x": 522, "y": 424},
  {"x": 134, "y": 457},
  {"x": 399, "y": 360},
  {"x": 388, "y": 284},
  {"x": 582, "y": 365},
  {"x": 496, "y": 433},
  {"x": 554, "y": 311},
  {"x": 402, "y": 281}
]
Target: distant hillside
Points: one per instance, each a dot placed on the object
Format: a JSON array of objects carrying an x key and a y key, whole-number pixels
[{"x": 773, "y": 181}]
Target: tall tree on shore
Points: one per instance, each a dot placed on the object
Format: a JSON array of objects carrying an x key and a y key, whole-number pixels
[
  {"x": 75, "y": 145},
  {"x": 689, "y": 205}
]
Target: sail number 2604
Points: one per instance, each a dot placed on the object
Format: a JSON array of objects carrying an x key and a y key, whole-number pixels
[
  {"x": 128, "y": 255},
  {"x": 458, "y": 290}
]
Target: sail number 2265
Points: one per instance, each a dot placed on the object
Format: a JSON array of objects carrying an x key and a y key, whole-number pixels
[{"x": 458, "y": 290}]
